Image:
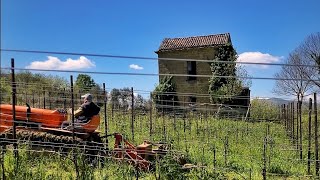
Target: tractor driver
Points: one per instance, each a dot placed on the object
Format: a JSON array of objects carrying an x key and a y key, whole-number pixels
[{"x": 85, "y": 111}]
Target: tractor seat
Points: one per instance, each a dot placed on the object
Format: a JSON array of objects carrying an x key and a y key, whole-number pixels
[
  {"x": 91, "y": 125},
  {"x": 87, "y": 127}
]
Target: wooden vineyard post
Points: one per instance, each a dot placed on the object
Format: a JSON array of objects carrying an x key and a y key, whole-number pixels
[
  {"x": 72, "y": 117},
  {"x": 174, "y": 115},
  {"x": 316, "y": 142},
  {"x": 14, "y": 101},
  {"x": 264, "y": 169},
  {"x": 1, "y": 150},
  {"x": 2, "y": 162},
  {"x": 132, "y": 114},
  {"x": 297, "y": 131},
  {"x": 293, "y": 125},
  {"x": 214, "y": 157},
  {"x": 300, "y": 128},
  {"x": 284, "y": 115},
  {"x": 309, "y": 135},
  {"x": 291, "y": 120},
  {"x": 44, "y": 98},
  {"x": 72, "y": 108},
  {"x": 287, "y": 118},
  {"x": 226, "y": 144},
  {"x": 280, "y": 113},
  {"x": 163, "y": 119},
  {"x": 150, "y": 119},
  {"x": 106, "y": 125},
  {"x": 184, "y": 116}
]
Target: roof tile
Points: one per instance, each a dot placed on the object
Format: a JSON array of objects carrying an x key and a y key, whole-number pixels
[{"x": 192, "y": 42}]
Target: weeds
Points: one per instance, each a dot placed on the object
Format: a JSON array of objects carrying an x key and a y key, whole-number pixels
[{"x": 196, "y": 143}]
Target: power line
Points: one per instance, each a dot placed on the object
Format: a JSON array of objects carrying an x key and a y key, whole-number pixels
[
  {"x": 160, "y": 74},
  {"x": 147, "y": 58}
]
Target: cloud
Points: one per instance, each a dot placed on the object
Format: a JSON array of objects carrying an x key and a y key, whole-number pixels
[
  {"x": 258, "y": 57},
  {"x": 135, "y": 66},
  {"x": 55, "y": 63}
]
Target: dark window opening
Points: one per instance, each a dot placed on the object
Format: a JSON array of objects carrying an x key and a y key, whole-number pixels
[
  {"x": 192, "y": 69},
  {"x": 192, "y": 99}
]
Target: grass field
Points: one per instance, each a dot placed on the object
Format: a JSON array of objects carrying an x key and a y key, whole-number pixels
[{"x": 218, "y": 149}]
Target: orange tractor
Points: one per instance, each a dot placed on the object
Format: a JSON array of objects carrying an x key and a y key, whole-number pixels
[
  {"x": 44, "y": 125},
  {"x": 43, "y": 120}
]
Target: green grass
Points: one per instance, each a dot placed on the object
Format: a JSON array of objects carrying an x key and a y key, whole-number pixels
[{"x": 238, "y": 147}]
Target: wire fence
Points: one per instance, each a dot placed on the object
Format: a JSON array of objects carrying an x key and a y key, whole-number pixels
[{"x": 149, "y": 138}]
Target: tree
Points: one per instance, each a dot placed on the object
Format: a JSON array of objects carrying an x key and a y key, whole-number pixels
[
  {"x": 262, "y": 109},
  {"x": 84, "y": 82},
  {"x": 115, "y": 97},
  {"x": 28, "y": 83},
  {"x": 164, "y": 94},
  {"x": 310, "y": 51},
  {"x": 224, "y": 84},
  {"x": 5, "y": 87},
  {"x": 244, "y": 77},
  {"x": 122, "y": 98},
  {"x": 291, "y": 78},
  {"x": 139, "y": 102},
  {"x": 125, "y": 97}
]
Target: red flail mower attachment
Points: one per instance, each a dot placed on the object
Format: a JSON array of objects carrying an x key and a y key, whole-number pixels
[{"x": 138, "y": 156}]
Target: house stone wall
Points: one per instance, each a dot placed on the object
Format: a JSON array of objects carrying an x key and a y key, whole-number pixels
[{"x": 183, "y": 85}]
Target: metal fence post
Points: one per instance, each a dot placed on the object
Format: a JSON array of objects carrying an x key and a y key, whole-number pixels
[
  {"x": 309, "y": 135},
  {"x": 44, "y": 98},
  {"x": 300, "y": 127},
  {"x": 264, "y": 169},
  {"x": 316, "y": 142},
  {"x": 293, "y": 124},
  {"x": 105, "y": 113},
  {"x": 150, "y": 126},
  {"x": 14, "y": 101},
  {"x": 72, "y": 107},
  {"x": 297, "y": 131},
  {"x": 132, "y": 114}
]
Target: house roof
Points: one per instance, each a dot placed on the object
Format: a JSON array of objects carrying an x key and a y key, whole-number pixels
[{"x": 169, "y": 44}]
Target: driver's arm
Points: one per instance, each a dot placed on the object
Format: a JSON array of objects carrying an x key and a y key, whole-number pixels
[{"x": 78, "y": 112}]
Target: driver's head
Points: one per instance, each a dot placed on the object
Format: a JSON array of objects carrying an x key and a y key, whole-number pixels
[{"x": 87, "y": 97}]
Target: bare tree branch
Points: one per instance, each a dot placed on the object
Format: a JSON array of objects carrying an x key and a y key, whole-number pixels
[
  {"x": 298, "y": 87},
  {"x": 310, "y": 52}
]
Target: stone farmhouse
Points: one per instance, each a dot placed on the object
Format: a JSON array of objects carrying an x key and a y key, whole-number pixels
[{"x": 190, "y": 89}]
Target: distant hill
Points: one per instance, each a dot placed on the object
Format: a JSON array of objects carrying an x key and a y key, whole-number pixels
[
  {"x": 276, "y": 101},
  {"x": 280, "y": 101}
]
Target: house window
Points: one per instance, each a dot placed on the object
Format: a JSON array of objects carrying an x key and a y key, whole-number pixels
[
  {"x": 192, "y": 69},
  {"x": 192, "y": 99}
]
